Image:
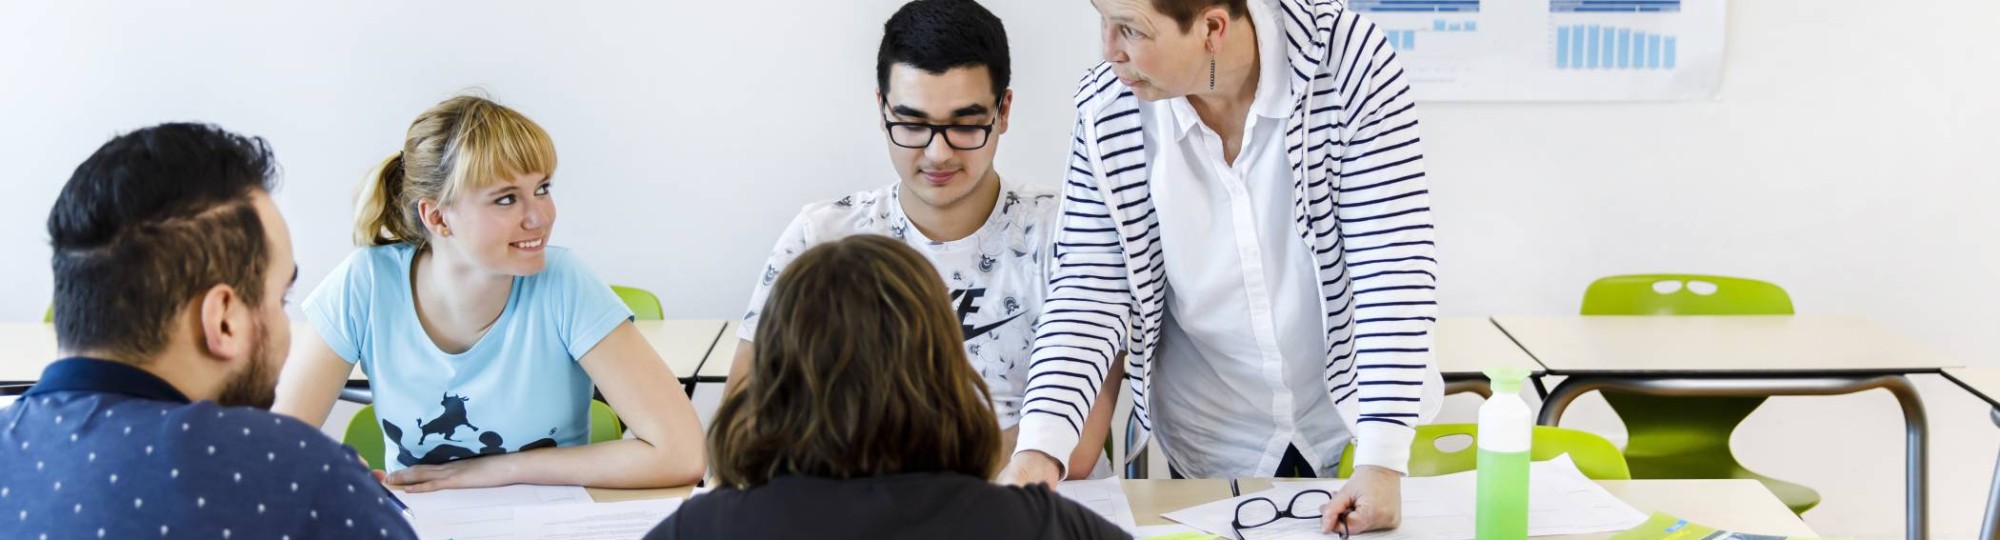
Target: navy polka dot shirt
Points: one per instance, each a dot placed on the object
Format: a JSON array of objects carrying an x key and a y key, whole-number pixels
[{"x": 100, "y": 449}]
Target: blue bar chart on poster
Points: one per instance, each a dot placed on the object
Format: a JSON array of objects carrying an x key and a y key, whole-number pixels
[{"x": 1555, "y": 50}]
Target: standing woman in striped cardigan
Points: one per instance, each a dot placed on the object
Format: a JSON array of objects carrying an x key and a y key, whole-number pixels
[{"x": 1247, "y": 226}]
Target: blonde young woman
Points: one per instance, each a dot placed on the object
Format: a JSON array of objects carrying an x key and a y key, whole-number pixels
[{"x": 482, "y": 341}]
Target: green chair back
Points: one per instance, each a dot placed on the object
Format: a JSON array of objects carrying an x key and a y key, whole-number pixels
[
  {"x": 644, "y": 305},
  {"x": 364, "y": 433},
  {"x": 1596, "y": 457},
  {"x": 1688, "y": 437},
  {"x": 1684, "y": 294}
]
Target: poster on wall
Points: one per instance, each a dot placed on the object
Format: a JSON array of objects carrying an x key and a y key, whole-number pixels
[{"x": 1555, "y": 50}]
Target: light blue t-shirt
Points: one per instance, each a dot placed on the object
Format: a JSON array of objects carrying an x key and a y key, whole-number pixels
[{"x": 518, "y": 388}]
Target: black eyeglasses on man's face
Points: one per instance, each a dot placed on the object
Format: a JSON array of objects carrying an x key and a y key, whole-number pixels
[
  {"x": 1261, "y": 511},
  {"x": 918, "y": 135}
]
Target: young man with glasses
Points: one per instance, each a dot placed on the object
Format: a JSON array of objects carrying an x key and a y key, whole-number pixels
[{"x": 941, "y": 92}]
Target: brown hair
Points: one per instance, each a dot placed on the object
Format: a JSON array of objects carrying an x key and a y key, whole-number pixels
[
  {"x": 465, "y": 143},
  {"x": 859, "y": 371},
  {"x": 1184, "y": 11}
]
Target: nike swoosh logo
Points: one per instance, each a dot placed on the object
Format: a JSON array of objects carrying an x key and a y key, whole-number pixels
[{"x": 971, "y": 332}]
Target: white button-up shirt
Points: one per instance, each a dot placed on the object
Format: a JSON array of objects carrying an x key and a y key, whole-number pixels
[{"x": 1242, "y": 354}]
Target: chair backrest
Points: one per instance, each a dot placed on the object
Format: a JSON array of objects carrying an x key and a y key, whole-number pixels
[
  {"x": 644, "y": 305},
  {"x": 604, "y": 424},
  {"x": 364, "y": 433},
  {"x": 49, "y": 317},
  {"x": 1684, "y": 294},
  {"x": 1596, "y": 457}
]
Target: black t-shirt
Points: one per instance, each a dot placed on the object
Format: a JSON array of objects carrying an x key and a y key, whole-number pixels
[{"x": 927, "y": 505}]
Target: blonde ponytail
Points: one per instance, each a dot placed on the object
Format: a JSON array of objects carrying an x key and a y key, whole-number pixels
[
  {"x": 378, "y": 215},
  {"x": 463, "y": 144}
]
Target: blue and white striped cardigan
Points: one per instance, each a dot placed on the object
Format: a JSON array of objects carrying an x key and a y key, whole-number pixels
[{"x": 1361, "y": 202}]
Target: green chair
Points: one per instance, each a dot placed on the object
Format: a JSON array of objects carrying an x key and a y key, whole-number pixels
[
  {"x": 364, "y": 432},
  {"x": 644, "y": 305},
  {"x": 49, "y": 317},
  {"x": 1688, "y": 437},
  {"x": 1596, "y": 457}
]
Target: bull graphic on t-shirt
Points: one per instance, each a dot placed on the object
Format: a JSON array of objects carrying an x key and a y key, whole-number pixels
[{"x": 447, "y": 423}]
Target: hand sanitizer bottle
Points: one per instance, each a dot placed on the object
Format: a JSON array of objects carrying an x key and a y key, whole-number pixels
[{"x": 1506, "y": 433}]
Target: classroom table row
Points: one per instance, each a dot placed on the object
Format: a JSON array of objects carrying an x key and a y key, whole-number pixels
[
  {"x": 1679, "y": 356},
  {"x": 1684, "y": 356},
  {"x": 1466, "y": 347},
  {"x": 1738, "y": 505},
  {"x": 683, "y": 344},
  {"x": 702, "y": 351}
]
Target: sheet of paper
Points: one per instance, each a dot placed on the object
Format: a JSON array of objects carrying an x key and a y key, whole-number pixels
[
  {"x": 627, "y": 520},
  {"x": 1216, "y": 517},
  {"x": 1106, "y": 497},
  {"x": 559, "y": 521},
  {"x": 1560, "y": 501},
  {"x": 481, "y": 512},
  {"x": 515, "y": 495}
]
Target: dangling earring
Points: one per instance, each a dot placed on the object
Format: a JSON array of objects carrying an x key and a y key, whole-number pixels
[{"x": 1211, "y": 73}]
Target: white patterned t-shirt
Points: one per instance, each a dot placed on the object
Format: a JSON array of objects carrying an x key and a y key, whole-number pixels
[{"x": 997, "y": 276}]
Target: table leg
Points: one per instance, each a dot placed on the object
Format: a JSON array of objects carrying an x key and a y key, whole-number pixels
[
  {"x": 1916, "y": 429},
  {"x": 1990, "y": 528},
  {"x": 1476, "y": 386},
  {"x": 357, "y": 392},
  {"x": 1135, "y": 450}
]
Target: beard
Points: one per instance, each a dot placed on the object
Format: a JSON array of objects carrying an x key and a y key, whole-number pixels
[{"x": 257, "y": 385}]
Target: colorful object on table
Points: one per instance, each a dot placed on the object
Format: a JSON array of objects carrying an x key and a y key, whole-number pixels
[{"x": 1666, "y": 527}]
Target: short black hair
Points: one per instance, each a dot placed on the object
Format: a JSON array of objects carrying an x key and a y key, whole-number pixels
[
  {"x": 939, "y": 35},
  {"x": 151, "y": 221}
]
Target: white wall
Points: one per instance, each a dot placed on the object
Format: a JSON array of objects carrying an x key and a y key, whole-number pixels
[
  {"x": 1843, "y": 161},
  {"x": 1847, "y": 159}
]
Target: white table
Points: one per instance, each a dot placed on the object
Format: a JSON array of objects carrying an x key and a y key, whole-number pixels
[
  {"x": 682, "y": 344},
  {"x": 27, "y": 348},
  {"x": 1737, "y": 505},
  {"x": 1465, "y": 347},
  {"x": 722, "y": 356},
  {"x": 1737, "y": 356}
]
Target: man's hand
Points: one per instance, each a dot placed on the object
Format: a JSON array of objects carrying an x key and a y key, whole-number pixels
[
  {"x": 1032, "y": 467},
  {"x": 1372, "y": 500}
]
